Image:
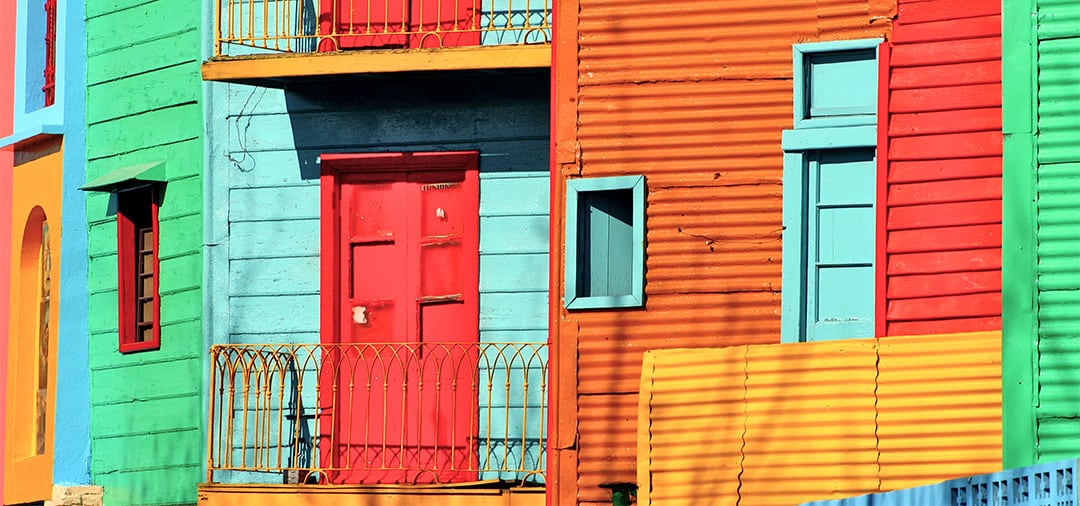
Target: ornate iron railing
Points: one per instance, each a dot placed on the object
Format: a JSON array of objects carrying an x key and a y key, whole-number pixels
[
  {"x": 246, "y": 27},
  {"x": 402, "y": 413}
]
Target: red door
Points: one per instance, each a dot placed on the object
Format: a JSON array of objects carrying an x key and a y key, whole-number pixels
[
  {"x": 399, "y": 23},
  {"x": 400, "y": 404}
]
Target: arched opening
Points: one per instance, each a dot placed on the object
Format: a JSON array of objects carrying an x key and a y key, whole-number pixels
[{"x": 34, "y": 313}]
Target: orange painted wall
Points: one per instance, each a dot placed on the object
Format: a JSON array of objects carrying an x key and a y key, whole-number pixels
[
  {"x": 694, "y": 94},
  {"x": 785, "y": 424},
  {"x": 36, "y": 183}
]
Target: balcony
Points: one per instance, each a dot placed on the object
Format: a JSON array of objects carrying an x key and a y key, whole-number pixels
[
  {"x": 258, "y": 40},
  {"x": 404, "y": 414}
]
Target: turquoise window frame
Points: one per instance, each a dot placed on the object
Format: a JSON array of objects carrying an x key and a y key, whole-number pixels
[
  {"x": 802, "y": 56},
  {"x": 575, "y": 188},
  {"x": 811, "y": 135}
]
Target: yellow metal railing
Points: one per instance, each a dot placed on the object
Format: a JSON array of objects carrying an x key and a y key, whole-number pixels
[
  {"x": 246, "y": 27},
  {"x": 400, "y": 413}
]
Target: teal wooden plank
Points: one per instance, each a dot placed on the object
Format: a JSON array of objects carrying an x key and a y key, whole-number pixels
[
  {"x": 125, "y": 97},
  {"x": 136, "y": 415},
  {"x": 514, "y": 196},
  {"x": 134, "y": 459},
  {"x": 132, "y": 132},
  {"x": 176, "y": 344},
  {"x": 103, "y": 313},
  {"x": 513, "y": 311},
  {"x": 179, "y": 235},
  {"x": 140, "y": 382},
  {"x": 182, "y": 160},
  {"x": 180, "y": 307},
  {"x": 102, "y": 239},
  {"x": 513, "y": 273},
  {"x": 180, "y": 273},
  {"x": 143, "y": 22},
  {"x": 182, "y": 198},
  {"x": 181, "y": 49},
  {"x": 153, "y": 487},
  {"x": 530, "y": 234},
  {"x": 265, "y": 204},
  {"x": 269, "y": 314},
  {"x": 513, "y": 336},
  {"x": 274, "y": 276},
  {"x": 275, "y": 338},
  {"x": 270, "y": 239}
]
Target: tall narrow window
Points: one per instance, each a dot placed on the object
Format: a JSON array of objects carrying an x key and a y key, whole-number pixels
[
  {"x": 137, "y": 256},
  {"x": 50, "y": 53},
  {"x": 830, "y": 188},
  {"x": 44, "y": 302}
]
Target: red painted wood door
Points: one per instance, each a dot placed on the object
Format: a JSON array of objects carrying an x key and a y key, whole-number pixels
[
  {"x": 399, "y": 23},
  {"x": 405, "y": 400}
]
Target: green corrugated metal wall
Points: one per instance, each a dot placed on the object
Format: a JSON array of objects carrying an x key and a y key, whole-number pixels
[{"x": 1058, "y": 219}]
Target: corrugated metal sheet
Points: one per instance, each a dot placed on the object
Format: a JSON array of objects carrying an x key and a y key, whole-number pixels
[
  {"x": 607, "y": 435},
  {"x": 939, "y": 407},
  {"x": 944, "y": 156},
  {"x": 694, "y": 404},
  {"x": 1058, "y": 229},
  {"x": 694, "y": 94},
  {"x": 782, "y": 424},
  {"x": 809, "y": 422}
]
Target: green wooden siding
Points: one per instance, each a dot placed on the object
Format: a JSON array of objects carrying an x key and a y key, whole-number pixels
[{"x": 143, "y": 93}]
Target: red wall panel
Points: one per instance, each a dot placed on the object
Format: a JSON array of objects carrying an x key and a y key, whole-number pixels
[
  {"x": 943, "y": 199},
  {"x": 7, "y": 101}
]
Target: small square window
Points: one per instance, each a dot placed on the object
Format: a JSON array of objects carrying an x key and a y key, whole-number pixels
[
  {"x": 137, "y": 258},
  {"x": 605, "y": 242},
  {"x": 835, "y": 83}
]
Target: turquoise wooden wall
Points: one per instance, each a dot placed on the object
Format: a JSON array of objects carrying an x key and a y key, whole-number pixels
[
  {"x": 143, "y": 104},
  {"x": 264, "y": 194}
]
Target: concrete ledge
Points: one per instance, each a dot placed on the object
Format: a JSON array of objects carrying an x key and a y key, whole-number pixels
[{"x": 80, "y": 495}]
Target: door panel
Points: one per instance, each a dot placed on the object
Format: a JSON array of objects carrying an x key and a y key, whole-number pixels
[
  {"x": 404, "y": 405},
  {"x": 840, "y": 249}
]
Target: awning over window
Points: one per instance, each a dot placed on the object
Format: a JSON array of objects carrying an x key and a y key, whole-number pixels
[{"x": 127, "y": 177}]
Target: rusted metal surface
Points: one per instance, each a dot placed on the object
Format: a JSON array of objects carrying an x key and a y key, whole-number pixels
[
  {"x": 944, "y": 169},
  {"x": 783, "y": 424},
  {"x": 693, "y": 95}
]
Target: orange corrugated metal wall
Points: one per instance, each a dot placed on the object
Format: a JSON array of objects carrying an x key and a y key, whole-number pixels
[
  {"x": 944, "y": 168},
  {"x": 784, "y": 424},
  {"x": 694, "y": 94}
]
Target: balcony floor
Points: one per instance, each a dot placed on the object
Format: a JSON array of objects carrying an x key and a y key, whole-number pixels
[
  {"x": 272, "y": 70},
  {"x": 314, "y": 495}
]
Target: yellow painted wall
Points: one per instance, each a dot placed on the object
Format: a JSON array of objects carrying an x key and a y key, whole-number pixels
[
  {"x": 36, "y": 188},
  {"x": 784, "y": 424}
]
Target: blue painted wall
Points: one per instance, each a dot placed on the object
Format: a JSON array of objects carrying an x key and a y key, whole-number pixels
[
  {"x": 71, "y": 458},
  {"x": 263, "y": 194}
]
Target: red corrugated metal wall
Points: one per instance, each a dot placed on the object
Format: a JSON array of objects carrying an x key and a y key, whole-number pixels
[
  {"x": 693, "y": 94},
  {"x": 944, "y": 168}
]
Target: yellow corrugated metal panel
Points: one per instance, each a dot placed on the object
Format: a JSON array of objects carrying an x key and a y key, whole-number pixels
[
  {"x": 939, "y": 404},
  {"x": 695, "y": 407},
  {"x": 817, "y": 421},
  {"x": 607, "y": 434},
  {"x": 810, "y": 422}
]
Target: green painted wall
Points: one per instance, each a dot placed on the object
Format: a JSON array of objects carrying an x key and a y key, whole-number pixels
[
  {"x": 1041, "y": 320},
  {"x": 143, "y": 104}
]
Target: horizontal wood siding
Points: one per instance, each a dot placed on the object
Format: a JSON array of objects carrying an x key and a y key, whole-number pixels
[
  {"x": 143, "y": 94},
  {"x": 693, "y": 95},
  {"x": 943, "y": 207}
]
